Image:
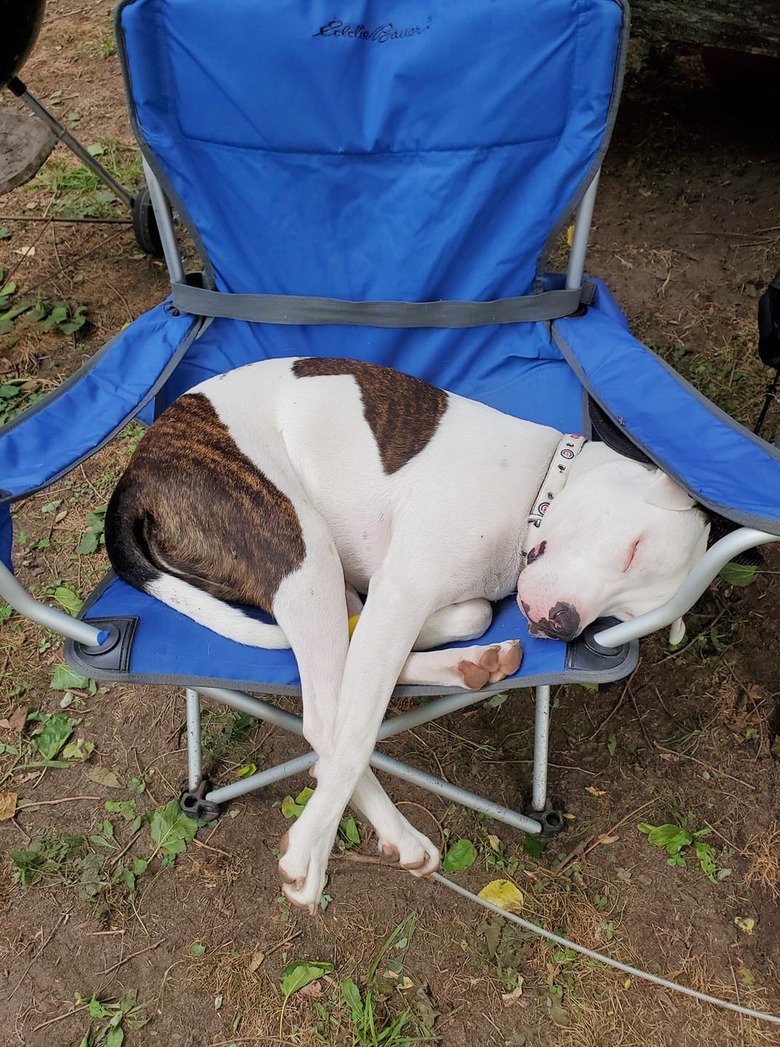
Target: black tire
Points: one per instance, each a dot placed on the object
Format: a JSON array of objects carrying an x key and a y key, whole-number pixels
[{"x": 147, "y": 234}]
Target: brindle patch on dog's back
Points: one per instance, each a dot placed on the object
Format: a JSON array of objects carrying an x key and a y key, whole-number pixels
[
  {"x": 403, "y": 412},
  {"x": 192, "y": 504}
]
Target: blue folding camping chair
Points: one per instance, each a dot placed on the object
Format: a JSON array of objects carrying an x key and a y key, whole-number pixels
[{"x": 388, "y": 191}]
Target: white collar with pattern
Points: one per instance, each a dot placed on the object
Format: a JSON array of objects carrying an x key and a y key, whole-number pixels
[{"x": 554, "y": 482}]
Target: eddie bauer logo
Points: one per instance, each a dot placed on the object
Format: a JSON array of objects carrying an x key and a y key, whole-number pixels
[{"x": 382, "y": 34}]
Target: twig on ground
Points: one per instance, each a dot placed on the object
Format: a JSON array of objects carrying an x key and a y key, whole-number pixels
[
  {"x": 615, "y": 707},
  {"x": 47, "y": 803},
  {"x": 710, "y": 767},
  {"x": 63, "y": 919},
  {"x": 132, "y": 956},
  {"x": 62, "y": 220},
  {"x": 584, "y": 849},
  {"x": 61, "y": 1017}
]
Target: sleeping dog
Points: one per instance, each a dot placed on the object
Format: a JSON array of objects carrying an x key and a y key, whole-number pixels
[{"x": 302, "y": 486}]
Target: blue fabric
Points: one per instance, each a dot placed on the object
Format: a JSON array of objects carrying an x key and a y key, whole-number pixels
[
  {"x": 426, "y": 167},
  {"x": 78, "y": 417},
  {"x": 6, "y": 536},
  {"x": 722, "y": 464},
  {"x": 169, "y": 645}
]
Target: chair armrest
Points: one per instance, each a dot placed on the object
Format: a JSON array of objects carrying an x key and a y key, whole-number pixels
[
  {"x": 49, "y": 617},
  {"x": 689, "y": 592},
  {"x": 86, "y": 411}
]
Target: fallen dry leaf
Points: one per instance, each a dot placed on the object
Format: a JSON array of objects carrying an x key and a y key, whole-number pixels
[
  {"x": 594, "y": 791},
  {"x": 16, "y": 720},
  {"x": 504, "y": 894},
  {"x": 513, "y": 997},
  {"x": 7, "y": 805},
  {"x": 745, "y": 923},
  {"x": 104, "y": 776},
  {"x": 313, "y": 990},
  {"x": 257, "y": 958}
]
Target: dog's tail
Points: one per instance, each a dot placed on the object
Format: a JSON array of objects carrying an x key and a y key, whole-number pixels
[{"x": 136, "y": 558}]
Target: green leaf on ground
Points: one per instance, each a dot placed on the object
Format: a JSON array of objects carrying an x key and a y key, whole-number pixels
[
  {"x": 671, "y": 838},
  {"x": 172, "y": 829},
  {"x": 68, "y": 600},
  {"x": 738, "y": 574},
  {"x": 56, "y": 731},
  {"x": 300, "y": 973},
  {"x": 66, "y": 679},
  {"x": 292, "y": 808},
  {"x": 460, "y": 856}
]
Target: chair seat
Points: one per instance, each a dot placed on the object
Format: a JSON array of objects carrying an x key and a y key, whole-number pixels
[{"x": 165, "y": 647}]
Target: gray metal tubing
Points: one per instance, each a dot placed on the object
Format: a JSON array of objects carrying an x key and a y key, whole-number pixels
[
  {"x": 255, "y": 707},
  {"x": 76, "y": 147},
  {"x": 194, "y": 765},
  {"x": 689, "y": 592},
  {"x": 49, "y": 617},
  {"x": 431, "y": 710},
  {"x": 391, "y": 727},
  {"x": 453, "y": 792},
  {"x": 162, "y": 213},
  {"x": 262, "y": 779},
  {"x": 541, "y": 748},
  {"x": 579, "y": 246}
]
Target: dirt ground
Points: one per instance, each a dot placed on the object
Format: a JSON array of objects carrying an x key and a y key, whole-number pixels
[{"x": 107, "y": 935}]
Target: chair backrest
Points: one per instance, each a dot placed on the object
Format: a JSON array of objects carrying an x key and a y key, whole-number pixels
[{"x": 428, "y": 149}]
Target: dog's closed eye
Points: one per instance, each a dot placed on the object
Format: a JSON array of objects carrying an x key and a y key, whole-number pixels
[{"x": 632, "y": 555}]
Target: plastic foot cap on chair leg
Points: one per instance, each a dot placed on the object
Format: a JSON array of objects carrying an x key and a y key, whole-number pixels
[
  {"x": 195, "y": 805},
  {"x": 551, "y": 819}
]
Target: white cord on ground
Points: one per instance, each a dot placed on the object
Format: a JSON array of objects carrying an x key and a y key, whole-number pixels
[{"x": 633, "y": 971}]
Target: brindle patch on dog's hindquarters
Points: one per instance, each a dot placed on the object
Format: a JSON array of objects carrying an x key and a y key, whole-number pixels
[
  {"x": 192, "y": 504},
  {"x": 403, "y": 412}
]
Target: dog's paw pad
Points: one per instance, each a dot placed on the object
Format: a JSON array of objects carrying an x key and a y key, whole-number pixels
[
  {"x": 491, "y": 664},
  {"x": 474, "y": 676},
  {"x": 509, "y": 660},
  {"x": 411, "y": 850}
]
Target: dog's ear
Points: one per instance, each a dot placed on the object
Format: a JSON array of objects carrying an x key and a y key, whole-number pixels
[{"x": 666, "y": 494}]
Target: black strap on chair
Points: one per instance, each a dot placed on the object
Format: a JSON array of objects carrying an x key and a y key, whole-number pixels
[
  {"x": 769, "y": 342},
  {"x": 303, "y": 309}
]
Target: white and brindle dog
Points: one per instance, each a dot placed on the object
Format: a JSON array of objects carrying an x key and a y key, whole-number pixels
[{"x": 295, "y": 485}]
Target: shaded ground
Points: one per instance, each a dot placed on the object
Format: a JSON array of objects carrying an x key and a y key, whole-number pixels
[{"x": 687, "y": 233}]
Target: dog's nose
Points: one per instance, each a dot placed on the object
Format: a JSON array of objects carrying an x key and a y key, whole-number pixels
[{"x": 562, "y": 623}]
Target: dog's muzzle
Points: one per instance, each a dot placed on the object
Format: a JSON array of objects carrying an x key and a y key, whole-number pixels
[{"x": 562, "y": 623}]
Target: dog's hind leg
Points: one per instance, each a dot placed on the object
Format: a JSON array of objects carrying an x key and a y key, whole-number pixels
[
  {"x": 459, "y": 621},
  {"x": 470, "y": 667}
]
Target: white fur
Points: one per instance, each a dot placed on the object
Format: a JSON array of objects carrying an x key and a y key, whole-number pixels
[{"x": 216, "y": 615}]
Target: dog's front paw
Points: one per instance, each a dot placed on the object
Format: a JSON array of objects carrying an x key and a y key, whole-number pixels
[
  {"x": 485, "y": 665},
  {"x": 411, "y": 849},
  {"x": 303, "y": 873}
]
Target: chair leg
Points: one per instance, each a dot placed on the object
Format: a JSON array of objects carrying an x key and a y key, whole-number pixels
[
  {"x": 541, "y": 748},
  {"x": 194, "y": 759},
  {"x": 394, "y": 725},
  {"x": 195, "y": 801},
  {"x": 549, "y": 817}
]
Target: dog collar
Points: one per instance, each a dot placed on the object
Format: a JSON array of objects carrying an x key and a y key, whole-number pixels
[{"x": 554, "y": 482}]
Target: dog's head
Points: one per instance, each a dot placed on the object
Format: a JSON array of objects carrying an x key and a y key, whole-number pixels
[{"x": 618, "y": 540}]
